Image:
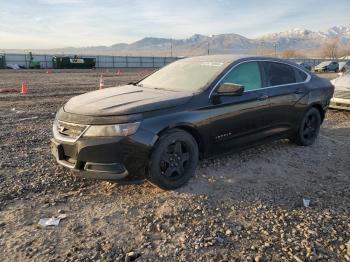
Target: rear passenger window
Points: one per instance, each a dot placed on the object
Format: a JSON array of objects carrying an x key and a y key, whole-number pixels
[
  {"x": 246, "y": 74},
  {"x": 300, "y": 75},
  {"x": 279, "y": 74}
]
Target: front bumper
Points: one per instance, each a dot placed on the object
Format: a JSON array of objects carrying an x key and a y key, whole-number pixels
[
  {"x": 320, "y": 70},
  {"x": 340, "y": 103},
  {"x": 107, "y": 158}
]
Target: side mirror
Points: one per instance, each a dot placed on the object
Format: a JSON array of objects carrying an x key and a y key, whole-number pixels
[{"x": 229, "y": 89}]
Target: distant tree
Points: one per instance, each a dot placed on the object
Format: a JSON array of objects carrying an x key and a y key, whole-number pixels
[
  {"x": 330, "y": 49},
  {"x": 291, "y": 53}
]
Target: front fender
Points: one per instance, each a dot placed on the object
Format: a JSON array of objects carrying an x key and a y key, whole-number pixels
[{"x": 193, "y": 123}]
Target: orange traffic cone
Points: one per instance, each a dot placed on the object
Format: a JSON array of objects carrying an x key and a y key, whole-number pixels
[
  {"x": 48, "y": 71},
  {"x": 102, "y": 83},
  {"x": 118, "y": 72},
  {"x": 24, "y": 88}
]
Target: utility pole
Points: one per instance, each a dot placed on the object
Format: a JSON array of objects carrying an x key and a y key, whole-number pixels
[
  {"x": 275, "y": 45},
  {"x": 171, "y": 47},
  {"x": 208, "y": 38}
]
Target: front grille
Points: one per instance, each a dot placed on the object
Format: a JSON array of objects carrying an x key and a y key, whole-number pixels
[
  {"x": 105, "y": 167},
  {"x": 70, "y": 130},
  {"x": 342, "y": 94}
]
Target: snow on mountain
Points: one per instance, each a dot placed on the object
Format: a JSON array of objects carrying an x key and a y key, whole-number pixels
[
  {"x": 340, "y": 31},
  {"x": 336, "y": 31},
  {"x": 292, "y": 33},
  {"x": 197, "y": 44},
  {"x": 298, "y": 38},
  {"x": 295, "y": 38}
]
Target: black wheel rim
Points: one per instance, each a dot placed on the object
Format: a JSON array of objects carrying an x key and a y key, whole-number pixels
[
  {"x": 175, "y": 160},
  {"x": 310, "y": 127}
]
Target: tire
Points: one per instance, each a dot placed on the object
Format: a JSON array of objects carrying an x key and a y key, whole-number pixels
[
  {"x": 308, "y": 129},
  {"x": 174, "y": 160}
]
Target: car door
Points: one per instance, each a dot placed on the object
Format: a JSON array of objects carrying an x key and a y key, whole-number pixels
[
  {"x": 238, "y": 120},
  {"x": 335, "y": 66},
  {"x": 332, "y": 66},
  {"x": 285, "y": 86}
]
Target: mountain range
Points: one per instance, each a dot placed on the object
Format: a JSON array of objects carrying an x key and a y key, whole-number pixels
[{"x": 298, "y": 39}]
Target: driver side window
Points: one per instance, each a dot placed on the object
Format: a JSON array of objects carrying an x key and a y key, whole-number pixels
[{"x": 246, "y": 74}]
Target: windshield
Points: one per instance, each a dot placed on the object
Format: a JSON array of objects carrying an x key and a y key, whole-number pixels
[
  {"x": 184, "y": 75},
  {"x": 325, "y": 63}
]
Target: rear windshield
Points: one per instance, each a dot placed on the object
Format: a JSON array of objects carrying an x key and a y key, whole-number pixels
[{"x": 184, "y": 75}]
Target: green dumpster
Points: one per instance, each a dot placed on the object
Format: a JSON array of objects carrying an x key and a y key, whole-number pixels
[
  {"x": 68, "y": 62},
  {"x": 2, "y": 62}
]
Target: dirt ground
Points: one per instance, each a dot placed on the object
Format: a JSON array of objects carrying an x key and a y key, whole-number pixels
[{"x": 244, "y": 206}]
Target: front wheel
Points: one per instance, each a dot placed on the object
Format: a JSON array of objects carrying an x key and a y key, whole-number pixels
[
  {"x": 308, "y": 129},
  {"x": 173, "y": 160}
]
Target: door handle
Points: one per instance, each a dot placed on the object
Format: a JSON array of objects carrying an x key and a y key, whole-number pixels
[
  {"x": 299, "y": 91},
  {"x": 262, "y": 97}
]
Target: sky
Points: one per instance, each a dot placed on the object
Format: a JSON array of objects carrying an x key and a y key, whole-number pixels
[{"x": 40, "y": 24}]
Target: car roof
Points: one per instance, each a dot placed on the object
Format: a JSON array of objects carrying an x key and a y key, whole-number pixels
[
  {"x": 215, "y": 58},
  {"x": 228, "y": 59},
  {"x": 327, "y": 62}
]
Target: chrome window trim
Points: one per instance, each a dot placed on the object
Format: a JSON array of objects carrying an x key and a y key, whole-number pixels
[
  {"x": 308, "y": 78},
  {"x": 58, "y": 136}
]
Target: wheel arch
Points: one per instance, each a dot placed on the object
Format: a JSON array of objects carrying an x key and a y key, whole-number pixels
[
  {"x": 189, "y": 128},
  {"x": 320, "y": 109}
]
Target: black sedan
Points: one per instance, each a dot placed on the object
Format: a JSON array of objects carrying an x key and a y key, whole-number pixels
[{"x": 159, "y": 127}]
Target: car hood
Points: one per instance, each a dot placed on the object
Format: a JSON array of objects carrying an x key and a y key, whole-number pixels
[
  {"x": 123, "y": 100},
  {"x": 342, "y": 83}
]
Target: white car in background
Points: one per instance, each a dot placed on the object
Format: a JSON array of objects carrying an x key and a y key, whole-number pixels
[
  {"x": 341, "y": 97},
  {"x": 344, "y": 66}
]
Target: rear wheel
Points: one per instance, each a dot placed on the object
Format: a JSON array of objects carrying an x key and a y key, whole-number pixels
[
  {"x": 308, "y": 128},
  {"x": 173, "y": 160}
]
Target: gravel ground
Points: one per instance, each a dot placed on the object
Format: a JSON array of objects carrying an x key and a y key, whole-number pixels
[{"x": 244, "y": 206}]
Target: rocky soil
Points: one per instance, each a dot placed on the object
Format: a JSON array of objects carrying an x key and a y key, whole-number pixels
[{"x": 244, "y": 206}]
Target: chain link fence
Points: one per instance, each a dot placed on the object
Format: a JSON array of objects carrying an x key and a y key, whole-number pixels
[
  {"x": 23, "y": 60},
  {"x": 46, "y": 61}
]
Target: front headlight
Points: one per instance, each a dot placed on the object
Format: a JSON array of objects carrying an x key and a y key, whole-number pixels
[{"x": 112, "y": 130}]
